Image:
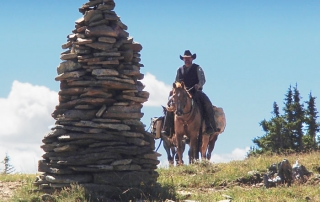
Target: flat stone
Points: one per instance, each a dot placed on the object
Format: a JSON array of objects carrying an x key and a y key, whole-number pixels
[
  {"x": 83, "y": 41},
  {"x": 46, "y": 167},
  {"x": 70, "y": 75},
  {"x": 92, "y": 168},
  {"x": 102, "y": 30},
  {"x": 96, "y": 93},
  {"x": 106, "y": 54},
  {"x": 113, "y": 78},
  {"x": 68, "y": 56},
  {"x": 91, "y": 3},
  {"x": 66, "y": 148},
  {"x": 69, "y": 178},
  {"x": 95, "y": 15},
  {"x": 55, "y": 133},
  {"x": 121, "y": 162},
  {"x": 86, "y": 159},
  {"x": 68, "y": 66},
  {"x": 80, "y": 114},
  {"x": 107, "y": 121},
  {"x": 106, "y": 62},
  {"x": 135, "y": 122},
  {"x": 122, "y": 115},
  {"x": 137, "y": 141},
  {"x": 131, "y": 108},
  {"x": 130, "y": 72},
  {"x": 99, "y": 22},
  {"x": 71, "y": 91},
  {"x": 97, "y": 136},
  {"x": 154, "y": 156},
  {"x": 84, "y": 130},
  {"x": 136, "y": 47},
  {"x": 107, "y": 39},
  {"x": 86, "y": 100},
  {"x": 105, "y": 72},
  {"x": 84, "y": 107},
  {"x": 100, "y": 45},
  {"x": 133, "y": 98},
  {"x": 131, "y": 134},
  {"x": 104, "y": 84}
]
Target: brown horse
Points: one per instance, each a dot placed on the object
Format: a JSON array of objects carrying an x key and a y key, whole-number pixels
[{"x": 187, "y": 121}]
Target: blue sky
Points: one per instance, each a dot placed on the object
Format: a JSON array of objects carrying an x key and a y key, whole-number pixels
[{"x": 251, "y": 52}]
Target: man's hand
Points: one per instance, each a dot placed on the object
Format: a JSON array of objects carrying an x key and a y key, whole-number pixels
[{"x": 197, "y": 86}]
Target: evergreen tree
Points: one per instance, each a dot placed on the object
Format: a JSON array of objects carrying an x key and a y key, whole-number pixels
[
  {"x": 286, "y": 132},
  {"x": 288, "y": 119},
  {"x": 298, "y": 120},
  {"x": 8, "y": 168},
  {"x": 272, "y": 141},
  {"x": 278, "y": 123},
  {"x": 311, "y": 121}
]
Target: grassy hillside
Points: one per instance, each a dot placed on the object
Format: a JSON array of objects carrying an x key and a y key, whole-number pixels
[{"x": 204, "y": 181}]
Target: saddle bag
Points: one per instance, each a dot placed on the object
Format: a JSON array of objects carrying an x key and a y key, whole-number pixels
[
  {"x": 219, "y": 118},
  {"x": 156, "y": 125}
]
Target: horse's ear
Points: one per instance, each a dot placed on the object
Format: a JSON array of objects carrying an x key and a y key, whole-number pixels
[{"x": 182, "y": 84}]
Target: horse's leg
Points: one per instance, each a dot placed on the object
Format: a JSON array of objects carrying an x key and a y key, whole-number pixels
[
  {"x": 212, "y": 142},
  {"x": 193, "y": 148},
  {"x": 173, "y": 153},
  {"x": 169, "y": 157},
  {"x": 204, "y": 146},
  {"x": 179, "y": 145}
]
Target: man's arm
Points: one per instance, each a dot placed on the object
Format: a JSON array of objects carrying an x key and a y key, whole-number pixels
[
  {"x": 201, "y": 77},
  {"x": 177, "y": 76}
]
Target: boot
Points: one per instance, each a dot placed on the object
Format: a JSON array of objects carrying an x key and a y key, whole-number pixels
[
  {"x": 208, "y": 113},
  {"x": 209, "y": 119},
  {"x": 168, "y": 124}
]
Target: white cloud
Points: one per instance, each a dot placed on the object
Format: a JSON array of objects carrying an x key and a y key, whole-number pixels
[
  {"x": 25, "y": 118},
  {"x": 158, "y": 90},
  {"x": 236, "y": 154}
]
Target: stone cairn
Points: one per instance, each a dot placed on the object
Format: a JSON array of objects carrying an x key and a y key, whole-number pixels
[{"x": 98, "y": 140}]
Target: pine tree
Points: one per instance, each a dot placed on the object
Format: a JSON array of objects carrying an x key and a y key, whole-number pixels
[
  {"x": 278, "y": 123},
  {"x": 8, "y": 168},
  {"x": 311, "y": 121},
  {"x": 288, "y": 119},
  {"x": 298, "y": 120}
]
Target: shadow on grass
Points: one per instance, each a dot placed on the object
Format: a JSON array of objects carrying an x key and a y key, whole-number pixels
[{"x": 155, "y": 192}]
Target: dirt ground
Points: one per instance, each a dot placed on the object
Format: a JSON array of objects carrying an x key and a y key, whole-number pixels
[{"x": 7, "y": 189}]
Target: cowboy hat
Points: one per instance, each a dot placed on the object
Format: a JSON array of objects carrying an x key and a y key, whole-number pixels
[{"x": 187, "y": 53}]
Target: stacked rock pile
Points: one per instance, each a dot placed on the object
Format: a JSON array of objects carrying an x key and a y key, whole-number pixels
[{"x": 98, "y": 140}]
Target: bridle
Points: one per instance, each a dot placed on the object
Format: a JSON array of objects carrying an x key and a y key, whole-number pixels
[{"x": 192, "y": 111}]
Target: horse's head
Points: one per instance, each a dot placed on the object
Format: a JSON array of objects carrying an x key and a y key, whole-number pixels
[{"x": 180, "y": 97}]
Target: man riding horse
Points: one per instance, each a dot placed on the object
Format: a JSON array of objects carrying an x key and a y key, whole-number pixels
[{"x": 193, "y": 77}]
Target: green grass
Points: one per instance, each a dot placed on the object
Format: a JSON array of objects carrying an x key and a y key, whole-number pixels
[{"x": 204, "y": 181}]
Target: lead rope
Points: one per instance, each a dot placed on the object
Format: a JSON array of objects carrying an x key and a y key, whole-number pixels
[{"x": 159, "y": 144}]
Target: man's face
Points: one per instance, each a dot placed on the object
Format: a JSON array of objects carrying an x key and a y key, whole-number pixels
[{"x": 187, "y": 61}]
